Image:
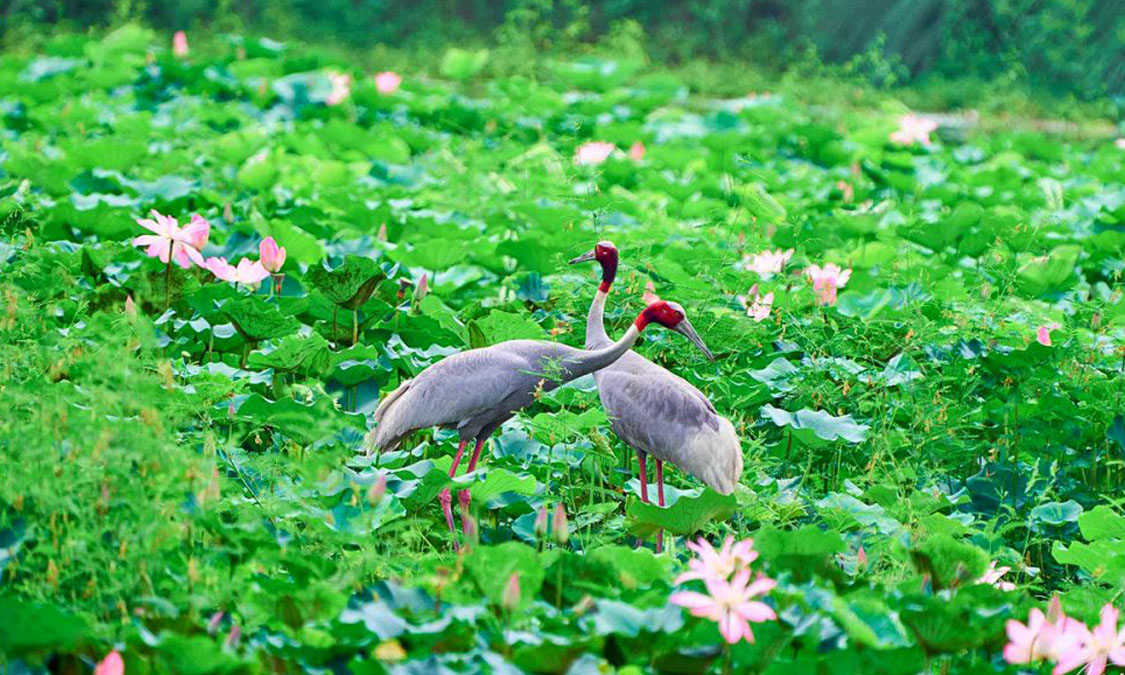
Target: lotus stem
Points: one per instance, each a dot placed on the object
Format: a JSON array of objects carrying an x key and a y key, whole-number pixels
[{"x": 168, "y": 283}]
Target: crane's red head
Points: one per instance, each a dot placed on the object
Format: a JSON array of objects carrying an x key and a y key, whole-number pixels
[
  {"x": 671, "y": 316},
  {"x": 606, "y": 255}
]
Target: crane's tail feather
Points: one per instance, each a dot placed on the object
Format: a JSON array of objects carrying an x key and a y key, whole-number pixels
[
  {"x": 385, "y": 404},
  {"x": 381, "y": 437},
  {"x": 720, "y": 455}
]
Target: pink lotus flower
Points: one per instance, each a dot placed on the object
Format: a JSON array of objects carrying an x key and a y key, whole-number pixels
[
  {"x": 914, "y": 129},
  {"x": 1034, "y": 641},
  {"x": 248, "y": 272},
  {"x": 1043, "y": 334},
  {"x": 179, "y": 44},
  {"x": 649, "y": 295},
  {"x": 341, "y": 88},
  {"x": 767, "y": 263},
  {"x": 272, "y": 255},
  {"x": 826, "y": 280},
  {"x": 112, "y": 664},
  {"x": 759, "y": 306},
  {"x": 510, "y": 598},
  {"x": 197, "y": 232},
  {"x": 728, "y": 560},
  {"x": 993, "y": 577},
  {"x": 1094, "y": 648},
  {"x": 593, "y": 153},
  {"x": 170, "y": 241},
  {"x": 730, "y": 604},
  {"x": 387, "y": 82},
  {"x": 637, "y": 151},
  {"x": 1052, "y": 637}
]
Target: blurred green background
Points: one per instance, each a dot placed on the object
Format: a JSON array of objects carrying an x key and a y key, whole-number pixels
[{"x": 1071, "y": 48}]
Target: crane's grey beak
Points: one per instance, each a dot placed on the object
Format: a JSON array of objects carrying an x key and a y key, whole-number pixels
[
  {"x": 685, "y": 328},
  {"x": 585, "y": 257}
]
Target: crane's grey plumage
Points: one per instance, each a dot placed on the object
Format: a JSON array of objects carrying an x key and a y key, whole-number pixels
[{"x": 657, "y": 412}]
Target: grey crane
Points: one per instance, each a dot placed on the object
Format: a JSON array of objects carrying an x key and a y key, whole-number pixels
[
  {"x": 656, "y": 412},
  {"x": 476, "y": 391}
]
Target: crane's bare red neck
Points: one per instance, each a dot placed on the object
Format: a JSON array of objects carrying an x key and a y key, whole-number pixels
[
  {"x": 658, "y": 312},
  {"x": 606, "y": 255}
]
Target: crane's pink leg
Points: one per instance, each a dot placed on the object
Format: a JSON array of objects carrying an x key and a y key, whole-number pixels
[
  {"x": 644, "y": 477},
  {"x": 644, "y": 484},
  {"x": 660, "y": 500},
  {"x": 446, "y": 496},
  {"x": 463, "y": 496}
]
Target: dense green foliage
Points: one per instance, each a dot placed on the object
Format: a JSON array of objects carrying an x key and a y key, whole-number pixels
[
  {"x": 1066, "y": 46},
  {"x": 185, "y": 481}
]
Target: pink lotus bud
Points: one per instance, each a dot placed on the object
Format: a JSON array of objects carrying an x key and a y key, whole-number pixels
[
  {"x": 469, "y": 527},
  {"x": 272, "y": 255},
  {"x": 387, "y": 82},
  {"x": 378, "y": 490},
  {"x": 861, "y": 556},
  {"x": 228, "y": 214},
  {"x": 559, "y": 527},
  {"x": 233, "y": 636},
  {"x": 422, "y": 288},
  {"x": 112, "y": 664},
  {"x": 130, "y": 306},
  {"x": 382, "y": 234},
  {"x": 637, "y": 151},
  {"x": 1054, "y": 609},
  {"x": 179, "y": 44},
  {"x": 213, "y": 624},
  {"x": 510, "y": 599},
  {"x": 230, "y": 407},
  {"x": 541, "y": 522}
]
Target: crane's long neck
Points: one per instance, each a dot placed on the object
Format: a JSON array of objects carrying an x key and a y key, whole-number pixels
[
  {"x": 596, "y": 359},
  {"x": 595, "y": 321}
]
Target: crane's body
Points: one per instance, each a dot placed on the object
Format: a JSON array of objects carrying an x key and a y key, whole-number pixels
[
  {"x": 655, "y": 411},
  {"x": 661, "y": 414},
  {"x": 476, "y": 391}
]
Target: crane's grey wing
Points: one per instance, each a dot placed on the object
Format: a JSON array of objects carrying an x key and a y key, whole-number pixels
[
  {"x": 633, "y": 363},
  {"x": 453, "y": 392},
  {"x": 673, "y": 421}
]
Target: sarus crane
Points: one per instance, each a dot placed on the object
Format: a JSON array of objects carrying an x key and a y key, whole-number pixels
[
  {"x": 476, "y": 391},
  {"x": 657, "y": 412}
]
